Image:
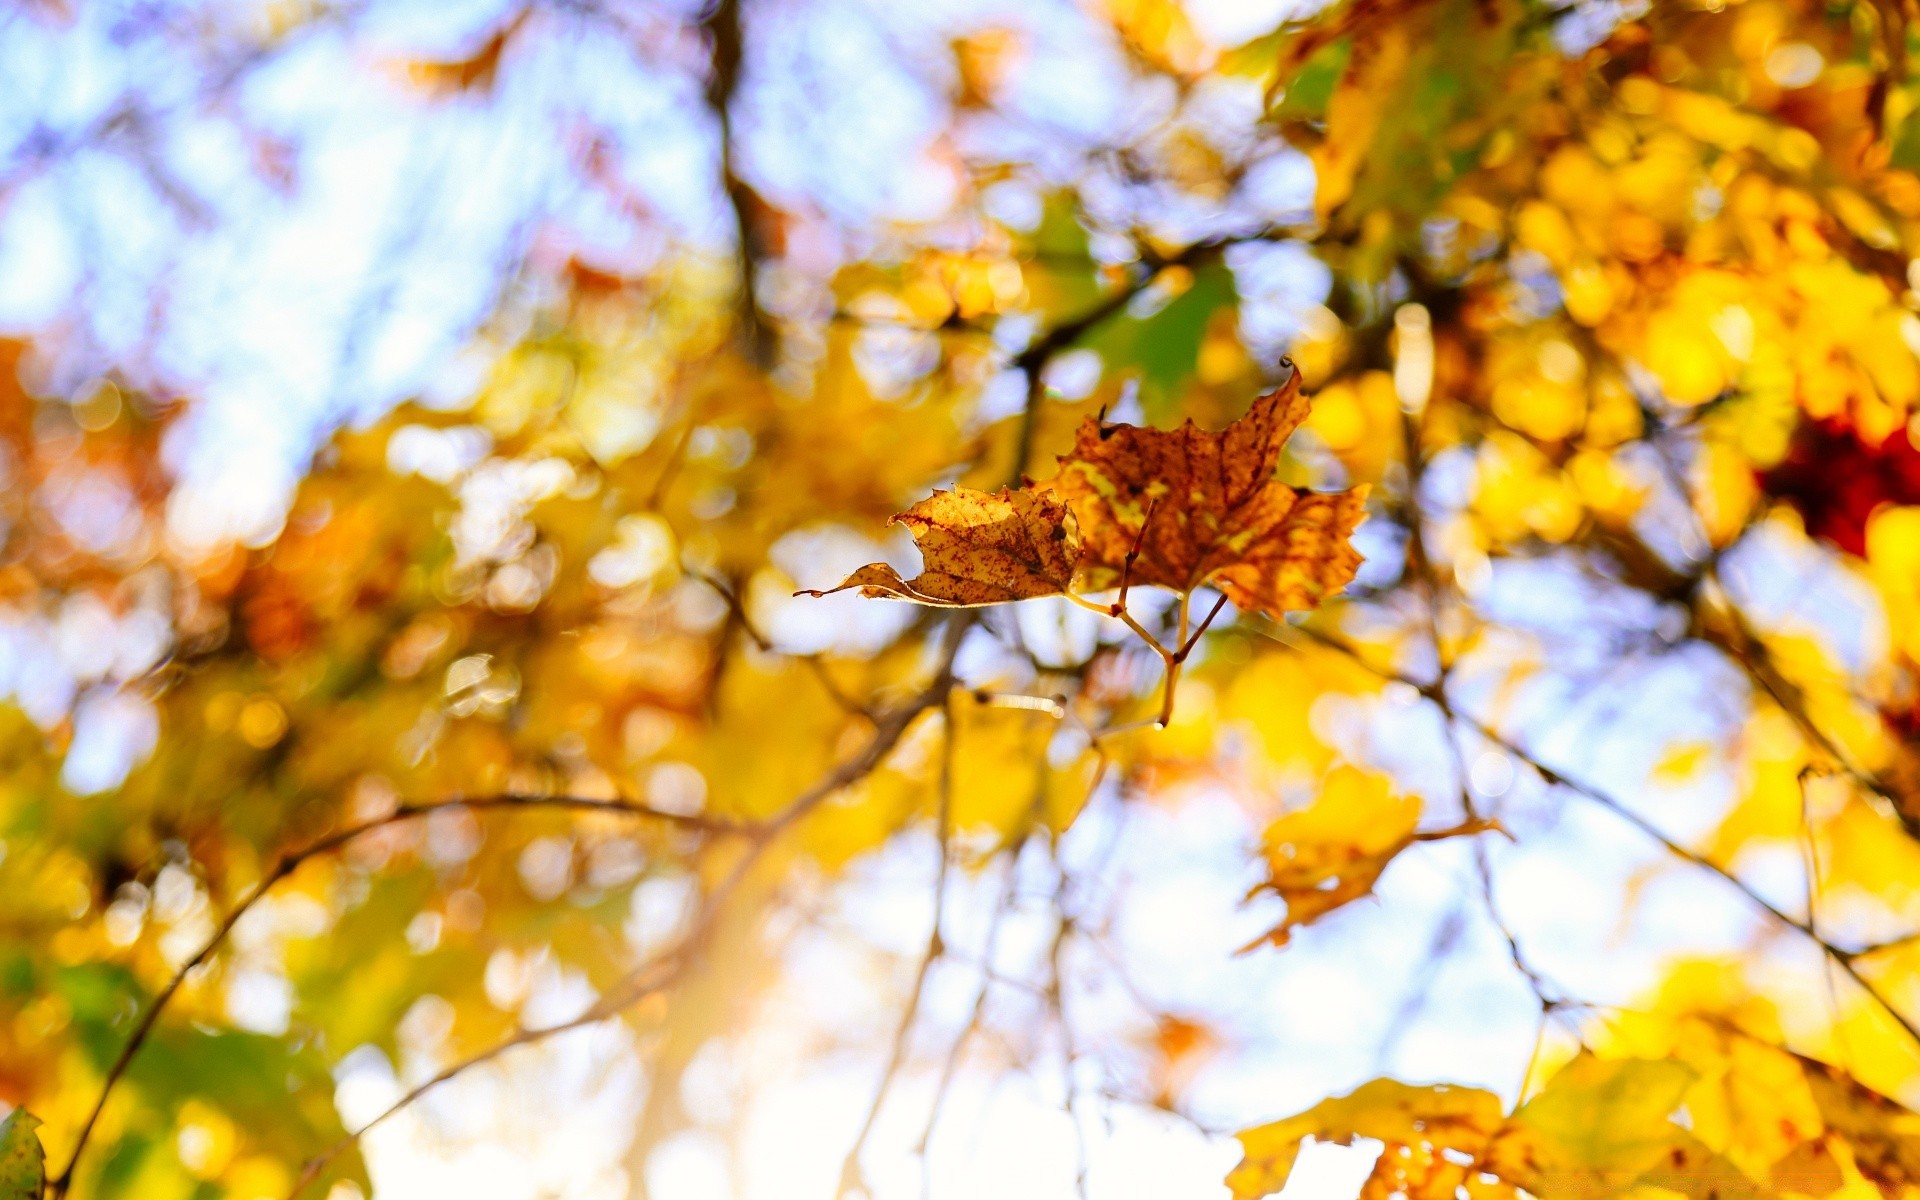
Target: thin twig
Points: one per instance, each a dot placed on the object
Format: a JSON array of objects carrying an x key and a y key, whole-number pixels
[
  {"x": 1186, "y": 647},
  {"x": 1814, "y": 888},
  {"x": 852, "y": 1176},
  {"x": 288, "y": 863},
  {"x": 1057, "y": 1000},
  {"x": 726, "y": 38},
  {"x": 974, "y": 1016},
  {"x": 761, "y": 641},
  {"x": 1842, "y": 958},
  {"x": 888, "y": 730},
  {"x": 1748, "y": 651}
]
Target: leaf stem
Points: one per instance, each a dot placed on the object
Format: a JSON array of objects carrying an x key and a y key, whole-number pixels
[
  {"x": 1192, "y": 640},
  {"x": 1173, "y": 662}
]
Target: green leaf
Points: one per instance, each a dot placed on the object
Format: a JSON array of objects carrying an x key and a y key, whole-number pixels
[
  {"x": 1906, "y": 144},
  {"x": 1307, "y": 94},
  {"x": 23, "y": 1164},
  {"x": 280, "y": 1089},
  {"x": 1598, "y": 1125},
  {"x": 1164, "y": 348}
]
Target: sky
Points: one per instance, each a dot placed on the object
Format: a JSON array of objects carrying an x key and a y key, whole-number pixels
[{"x": 296, "y": 237}]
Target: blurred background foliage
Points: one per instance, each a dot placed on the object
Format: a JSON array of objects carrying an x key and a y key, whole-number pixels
[{"x": 416, "y": 419}]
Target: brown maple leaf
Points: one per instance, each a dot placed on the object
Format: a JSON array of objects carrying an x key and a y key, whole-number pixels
[
  {"x": 1174, "y": 509},
  {"x": 1186, "y": 507},
  {"x": 978, "y": 548}
]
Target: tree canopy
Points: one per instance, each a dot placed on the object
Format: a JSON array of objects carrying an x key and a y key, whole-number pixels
[{"x": 623, "y": 598}]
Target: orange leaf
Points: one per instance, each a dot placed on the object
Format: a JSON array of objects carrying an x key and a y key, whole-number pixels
[
  {"x": 1174, "y": 509},
  {"x": 1211, "y": 510},
  {"x": 978, "y": 548}
]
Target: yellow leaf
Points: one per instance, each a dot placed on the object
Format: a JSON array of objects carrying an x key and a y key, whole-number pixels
[
  {"x": 1883, "y": 1136},
  {"x": 1381, "y": 50},
  {"x": 1599, "y": 1124},
  {"x": 1681, "y": 763},
  {"x": 1418, "y": 1124},
  {"x": 1332, "y": 852}
]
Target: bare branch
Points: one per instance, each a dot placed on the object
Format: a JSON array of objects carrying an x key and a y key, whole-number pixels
[
  {"x": 813, "y": 662},
  {"x": 727, "y": 46},
  {"x": 1844, "y": 959},
  {"x": 670, "y": 967},
  {"x": 288, "y": 863},
  {"x": 851, "y": 1176}
]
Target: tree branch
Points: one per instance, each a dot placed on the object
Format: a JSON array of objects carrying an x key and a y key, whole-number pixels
[
  {"x": 638, "y": 985},
  {"x": 1844, "y": 959},
  {"x": 288, "y": 863},
  {"x": 851, "y": 1174},
  {"x": 727, "y": 46}
]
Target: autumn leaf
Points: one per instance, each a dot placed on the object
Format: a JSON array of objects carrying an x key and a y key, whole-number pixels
[
  {"x": 1883, "y": 1135},
  {"x": 1187, "y": 507},
  {"x": 1176, "y": 509},
  {"x": 978, "y": 548},
  {"x": 23, "y": 1164},
  {"x": 1600, "y": 1127},
  {"x": 1332, "y": 852},
  {"x": 1419, "y": 1125},
  {"x": 1608, "y": 1127},
  {"x": 1302, "y": 559},
  {"x": 1597, "y": 1123}
]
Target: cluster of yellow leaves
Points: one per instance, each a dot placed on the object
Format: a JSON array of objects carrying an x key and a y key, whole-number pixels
[
  {"x": 1693, "y": 238},
  {"x": 1637, "y": 1127},
  {"x": 1716, "y": 224},
  {"x": 1178, "y": 509}
]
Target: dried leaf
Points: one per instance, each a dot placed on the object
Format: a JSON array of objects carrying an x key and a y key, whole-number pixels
[
  {"x": 1201, "y": 506},
  {"x": 1303, "y": 559},
  {"x": 1174, "y": 509},
  {"x": 978, "y": 548}
]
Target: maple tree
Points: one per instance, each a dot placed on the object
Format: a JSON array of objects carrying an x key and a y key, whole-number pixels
[{"x": 1452, "y": 461}]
